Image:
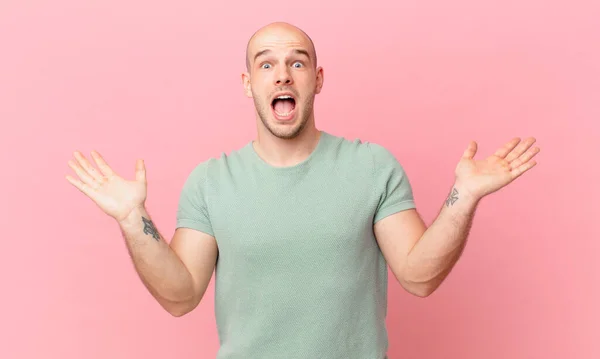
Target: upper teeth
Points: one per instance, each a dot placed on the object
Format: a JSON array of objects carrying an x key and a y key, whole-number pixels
[{"x": 284, "y": 97}]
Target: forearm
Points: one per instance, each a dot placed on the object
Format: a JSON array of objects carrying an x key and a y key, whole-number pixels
[
  {"x": 158, "y": 266},
  {"x": 440, "y": 247}
]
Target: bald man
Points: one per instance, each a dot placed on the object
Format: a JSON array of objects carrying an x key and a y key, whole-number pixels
[{"x": 299, "y": 225}]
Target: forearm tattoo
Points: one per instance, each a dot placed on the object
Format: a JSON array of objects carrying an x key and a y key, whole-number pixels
[
  {"x": 149, "y": 228},
  {"x": 452, "y": 197}
]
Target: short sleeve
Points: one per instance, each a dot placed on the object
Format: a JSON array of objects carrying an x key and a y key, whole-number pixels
[
  {"x": 392, "y": 186},
  {"x": 192, "y": 210}
]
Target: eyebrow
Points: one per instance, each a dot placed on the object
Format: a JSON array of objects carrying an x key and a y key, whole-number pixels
[
  {"x": 296, "y": 51},
  {"x": 302, "y": 52}
]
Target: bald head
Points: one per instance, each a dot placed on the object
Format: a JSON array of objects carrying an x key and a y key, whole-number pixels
[
  {"x": 277, "y": 33},
  {"x": 281, "y": 60}
]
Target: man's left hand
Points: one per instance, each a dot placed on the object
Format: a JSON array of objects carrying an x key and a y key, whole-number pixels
[{"x": 482, "y": 177}]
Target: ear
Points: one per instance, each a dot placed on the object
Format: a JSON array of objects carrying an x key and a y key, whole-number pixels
[
  {"x": 246, "y": 82},
  {"x": 320, "y": 79}
]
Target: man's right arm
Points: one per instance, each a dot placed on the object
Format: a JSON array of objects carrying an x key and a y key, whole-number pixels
[{"x": 176, "y": 275}]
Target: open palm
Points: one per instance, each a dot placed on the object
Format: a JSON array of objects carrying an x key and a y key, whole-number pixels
[
  {"x": 115, "y": 195},
  {"x": 482, "y": 177}
]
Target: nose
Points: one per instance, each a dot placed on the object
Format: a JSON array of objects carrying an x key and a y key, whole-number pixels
[{"x": 283, "y": 77}]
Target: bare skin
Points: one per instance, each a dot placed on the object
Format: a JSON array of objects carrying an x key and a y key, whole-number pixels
[
  {"x": 177, "y": 274},
  {"x": 281, "y": 58},
  {"x": 421, "y": 257}
]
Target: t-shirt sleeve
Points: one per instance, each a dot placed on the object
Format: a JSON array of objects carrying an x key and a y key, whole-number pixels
[
  {"x": 192, "y": 210},
  {"x": 392, "y": 185}
]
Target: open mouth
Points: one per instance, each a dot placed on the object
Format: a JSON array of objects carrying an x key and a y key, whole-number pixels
[{"x": 283, "y": 106}]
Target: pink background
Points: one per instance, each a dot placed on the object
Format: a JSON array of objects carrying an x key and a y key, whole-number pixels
[{"x": 161, "y": 81}]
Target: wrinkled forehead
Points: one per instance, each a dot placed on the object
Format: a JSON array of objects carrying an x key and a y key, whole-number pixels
[{"x": 280, "y": 42}]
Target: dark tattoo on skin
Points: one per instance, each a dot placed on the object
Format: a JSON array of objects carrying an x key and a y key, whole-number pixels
[
  {"x": 149, "y": 228},
  {"x": 452, "y": 197}
]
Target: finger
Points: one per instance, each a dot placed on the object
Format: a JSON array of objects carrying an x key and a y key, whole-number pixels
[
  {"x": 527, "y": 156},
  {"x": 471, "y": 150},
  {"x": 516, "y": 172},
  {"x": 509, "y": 146},
  {"x": 85, "y": 164},
  {"x": 520, "y": 149},
  {"x": 83, "y": 175},
  {"x": 140, "y": 171},
  {"x": 102, "y": 165},
  {"x": 84, "y": 188}
]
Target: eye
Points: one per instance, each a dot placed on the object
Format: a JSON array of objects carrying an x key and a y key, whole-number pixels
[
  {"x": 264, "y": 66},
  {"x": 297, "y": 64}
]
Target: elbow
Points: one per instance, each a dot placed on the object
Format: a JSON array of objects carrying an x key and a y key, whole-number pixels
[
  {"x": 179, "y": 309},
  {"x": 422, "y": 291},
  {"x": 419, "y": 289},
  {"x": 421, "y": 285},
  {"x": 178, "y": 312}
]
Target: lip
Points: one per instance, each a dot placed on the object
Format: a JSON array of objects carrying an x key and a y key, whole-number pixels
[{"x": 292, "y": 114}]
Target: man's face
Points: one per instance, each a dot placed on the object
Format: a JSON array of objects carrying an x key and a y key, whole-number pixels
[{"x": 283, "y": 81}]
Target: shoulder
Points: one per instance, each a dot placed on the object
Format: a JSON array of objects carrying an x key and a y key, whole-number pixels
[
  {"x": 218, "y": 165},
  {"x": 383, "y": 157},
  {"x": 363, "y": 152}
]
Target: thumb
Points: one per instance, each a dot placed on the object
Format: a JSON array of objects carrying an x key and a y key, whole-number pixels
[
  {"x": 470, "y": 151},
  {"x": 140, "y": 171}
]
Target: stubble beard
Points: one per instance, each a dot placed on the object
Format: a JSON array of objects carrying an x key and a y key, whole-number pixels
[{"x": 287, "y": 132}]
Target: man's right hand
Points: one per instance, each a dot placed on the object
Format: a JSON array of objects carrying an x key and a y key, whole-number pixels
[
  {"x": 115, "y": 195},
  {"x": 176, "y": 274}
]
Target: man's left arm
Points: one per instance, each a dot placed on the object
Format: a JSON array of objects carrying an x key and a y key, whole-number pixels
[{"x": 421, "y": 257}]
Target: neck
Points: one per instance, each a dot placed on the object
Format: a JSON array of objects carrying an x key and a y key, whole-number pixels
[{"x": 280, "y": 152}]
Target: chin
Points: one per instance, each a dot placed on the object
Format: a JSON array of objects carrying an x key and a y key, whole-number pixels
[
  {"x": 283, "y": 115},
  {"x": 285, "y": 129},
  {"x": 286, "y": 132}
]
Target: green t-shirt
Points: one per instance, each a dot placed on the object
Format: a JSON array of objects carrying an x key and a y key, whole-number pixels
[{"x": 299, "y": 272}]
